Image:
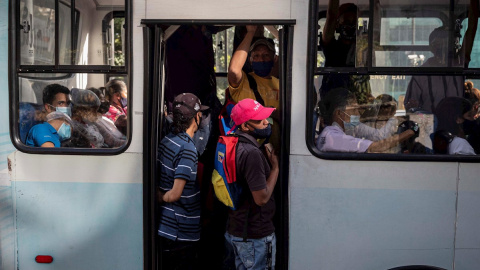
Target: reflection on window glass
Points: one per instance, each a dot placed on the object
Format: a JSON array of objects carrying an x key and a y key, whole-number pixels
[
  {"x": 37, "y": 38},
  {"x": 402, "y": 115},
  {"x": 114, "y": 39},
  {"x": 58, "y": 114},
  {"x": 407, "y": 31},
  {"x": 223, "y": 48}
]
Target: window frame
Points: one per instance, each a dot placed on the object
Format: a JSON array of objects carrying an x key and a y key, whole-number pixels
[
  {"x": 312, "y": 70},
  {"x": 16, "y": 70}
]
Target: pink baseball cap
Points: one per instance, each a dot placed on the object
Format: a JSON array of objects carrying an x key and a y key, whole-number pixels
[{"x": 249, "y": 109}]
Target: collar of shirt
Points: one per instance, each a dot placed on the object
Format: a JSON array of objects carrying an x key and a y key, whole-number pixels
[
  {"x": 50, "y": 128},
  {"x": 248, "y": 136},
  {"x": 335, "y": 124}
]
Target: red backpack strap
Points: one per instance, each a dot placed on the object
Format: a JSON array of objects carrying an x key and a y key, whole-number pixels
[{"x": 230, "y": 166}]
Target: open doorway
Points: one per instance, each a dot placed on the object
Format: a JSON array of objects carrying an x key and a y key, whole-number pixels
[{"x": 194, "y": 58}]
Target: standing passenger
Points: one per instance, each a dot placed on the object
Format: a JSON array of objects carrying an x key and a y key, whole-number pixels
[
  {"x": 179, "y": 192},
  {"x": 262, "y": 58},
  {"x": 250, "y": 229}
]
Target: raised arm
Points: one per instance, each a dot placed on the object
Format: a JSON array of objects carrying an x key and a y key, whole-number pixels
[
  {"x": 328, "y": 33},
  {"x": 239, "y": 57}
]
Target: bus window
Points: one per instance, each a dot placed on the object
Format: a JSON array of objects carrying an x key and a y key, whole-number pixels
[
  {"x": 364, "y": 106},
  {"x": 114, "y": 36},
  {"x": 83, "y": 62},
  {"x": 92, "y": 126}
]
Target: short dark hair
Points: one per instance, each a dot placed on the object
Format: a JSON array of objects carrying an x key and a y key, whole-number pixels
[
  {"x": 51, "y": 90},
  {"x": 181, "y": 122},
  {"x": 335, "y": 98}
]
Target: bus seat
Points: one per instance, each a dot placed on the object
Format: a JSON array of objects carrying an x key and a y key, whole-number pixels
[{"x": 27, "y": 119}]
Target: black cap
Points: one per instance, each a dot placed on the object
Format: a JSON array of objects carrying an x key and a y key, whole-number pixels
[{"x": 188, "y": 104}]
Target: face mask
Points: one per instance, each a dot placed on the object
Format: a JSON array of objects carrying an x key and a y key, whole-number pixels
[
  {"x": 354, "y": 121},
  {"x": 64, "y": 132},
  {"x": 347, "y": 32},
  {"x": 262, "y": 69},
  {"x": 124, "y": 102},
  {"x": 262, "y": 133},
  {"x": 65, "y": 110}
]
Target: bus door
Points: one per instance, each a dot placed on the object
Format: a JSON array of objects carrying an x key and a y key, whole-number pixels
[{"x": 188, "y": 57}]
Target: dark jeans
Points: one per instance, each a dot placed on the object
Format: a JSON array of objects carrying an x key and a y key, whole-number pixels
[{"x": 178, "y": 255}]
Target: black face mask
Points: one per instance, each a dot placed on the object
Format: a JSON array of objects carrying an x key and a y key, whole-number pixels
[
  {"x": 347, "y": 32},
  {"x": 262, "y": 133}
]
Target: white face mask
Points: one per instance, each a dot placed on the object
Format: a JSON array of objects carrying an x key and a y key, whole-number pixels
[{"x": 65, "y": 110}]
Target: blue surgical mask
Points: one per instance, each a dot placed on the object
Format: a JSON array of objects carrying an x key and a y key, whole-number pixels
[
  {"x": 354, "y": 121},
  {"x": 262, "y": 69},
  {"x": 65, "y": 110},
  {"x": 64, "y": 132}
]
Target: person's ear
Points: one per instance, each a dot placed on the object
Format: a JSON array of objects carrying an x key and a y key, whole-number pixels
[{"x": 244, "y": 127}]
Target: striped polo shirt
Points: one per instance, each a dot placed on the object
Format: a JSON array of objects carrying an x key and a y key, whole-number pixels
[{"x": 177, "y": 158}]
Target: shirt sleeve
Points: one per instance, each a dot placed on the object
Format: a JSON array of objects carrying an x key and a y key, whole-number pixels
[
  {"x": 243, "y": 90},
  {"x": 187, "y": 164},
  {"x": 460, "y": 146},
  {"x": 340, "y": 142},
  {"x": 373, "y": 134},
  {"x": 39, "y": 135},
  {"x": 254, "y": 171}
]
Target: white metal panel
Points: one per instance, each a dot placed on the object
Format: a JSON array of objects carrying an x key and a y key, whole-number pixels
[
  {"x": 123, "y": 168},
  {"x": 138, "y": 13},
  {"x": 379, "y": 214},
  {"x": 467, "y": 244},
  {"x": 218, "y": 9},
  {"x": 299, "y": 65}
]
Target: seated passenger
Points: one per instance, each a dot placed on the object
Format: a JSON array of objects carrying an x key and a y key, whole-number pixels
[
  {"x": 116, "y": 94},
  {"x": 339, "y": 109},
  {"x": 56, "y": 97},
  {"x": 51, "y": 133},
  {"x": 451, "y": 113},
  {"x": 111, "y": 135},
  {"x": 86, "y": 134}
]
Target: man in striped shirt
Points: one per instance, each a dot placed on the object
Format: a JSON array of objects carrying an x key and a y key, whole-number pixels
[{"x": 178, "y": 191}]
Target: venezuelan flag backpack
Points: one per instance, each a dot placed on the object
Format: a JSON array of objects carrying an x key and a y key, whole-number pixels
[{"x": 224, "y": 178}]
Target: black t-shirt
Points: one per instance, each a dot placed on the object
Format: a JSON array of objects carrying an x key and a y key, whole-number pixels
[{"x": 252, "y": 169}]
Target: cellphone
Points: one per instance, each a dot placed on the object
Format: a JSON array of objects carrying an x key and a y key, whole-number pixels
[{"x": 269, "y": 147}]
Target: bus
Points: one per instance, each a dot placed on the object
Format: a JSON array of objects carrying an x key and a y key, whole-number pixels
[{"x": 73, "y": 207}]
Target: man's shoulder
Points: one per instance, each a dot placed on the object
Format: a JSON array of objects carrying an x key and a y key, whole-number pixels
[{"x": 42, "y": 128}]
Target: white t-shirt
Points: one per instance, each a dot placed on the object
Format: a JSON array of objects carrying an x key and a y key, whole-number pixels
[
  {"x": 334, "y": 139},
  {"x": 460, "y": 146}
]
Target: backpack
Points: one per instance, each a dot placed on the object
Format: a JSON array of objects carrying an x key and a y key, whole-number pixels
[
  {"x": 224, "y": 178},
  {"x": 225, "y": 121}
]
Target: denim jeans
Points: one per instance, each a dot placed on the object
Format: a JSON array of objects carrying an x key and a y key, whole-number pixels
[{"x": 253, "y": 254}]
